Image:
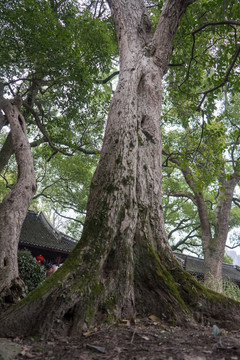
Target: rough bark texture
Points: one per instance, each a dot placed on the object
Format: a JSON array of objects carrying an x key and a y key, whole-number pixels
[
  {"x": 14, "y": 206},
  {"x": 214, "y": 247},
  {"x": 6, "y": 152},
  {"x": 123, "y": 266}
]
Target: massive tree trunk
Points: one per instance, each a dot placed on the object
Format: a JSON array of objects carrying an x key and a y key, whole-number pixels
[
  {"x": 14, "y": 206},
  {"x": 123, "y": 265}
]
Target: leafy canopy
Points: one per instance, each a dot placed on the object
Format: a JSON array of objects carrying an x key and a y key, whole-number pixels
[{"x": 54, "y": 54}]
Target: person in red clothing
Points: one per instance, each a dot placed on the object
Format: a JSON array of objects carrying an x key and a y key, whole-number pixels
[{"x": 39, "y": 259}]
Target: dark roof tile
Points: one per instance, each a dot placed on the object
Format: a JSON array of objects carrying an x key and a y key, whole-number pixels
[
  {"x": 37, "y": 230},
  {"x": 195, "y": 265}
]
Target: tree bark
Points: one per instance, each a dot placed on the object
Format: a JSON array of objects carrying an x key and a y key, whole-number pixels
[
  {"x": 123, "y": 265},
  {"x": 214, "y": 247},
  {"x": 14, "y": 206},
  {"x": 6, "y": 152}
]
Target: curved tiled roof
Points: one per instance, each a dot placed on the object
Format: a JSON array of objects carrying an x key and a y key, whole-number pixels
[
  {"x": 195, "y": 265},
  {"x": 37, "y": 231}
]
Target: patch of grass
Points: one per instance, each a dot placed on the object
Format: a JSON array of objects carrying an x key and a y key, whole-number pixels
[{"x": 229, "y": 288}]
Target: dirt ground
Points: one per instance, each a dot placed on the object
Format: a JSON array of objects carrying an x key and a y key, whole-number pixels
[{"x": 145, "y": 339}]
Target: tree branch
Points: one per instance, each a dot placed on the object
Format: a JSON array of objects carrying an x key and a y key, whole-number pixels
[
  {"x": 215, "y": 23},
  {"x": 165, "y": 31},
  {"x": 68, "y": 217},
  {"x": 182, "y": 194},
  {"x": 232, "y": 247},
  {"x": 108, "y": 78},
  {"x": 46, "y": 136},
  {"x": 236, "y": 201},
  {"x": 183, "y": 241},
  {"x": 179, "y": 226},
  {"x": 224, "y": 80}
]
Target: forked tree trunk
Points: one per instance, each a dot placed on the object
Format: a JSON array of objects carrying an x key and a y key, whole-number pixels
[
  {"x": 213, "y": 236},
  {"x": 123, "y": 265},
  {"x": 14, "y": 206}
]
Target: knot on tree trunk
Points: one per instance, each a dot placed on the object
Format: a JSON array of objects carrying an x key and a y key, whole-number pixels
[{"x": 15, "y": 292}]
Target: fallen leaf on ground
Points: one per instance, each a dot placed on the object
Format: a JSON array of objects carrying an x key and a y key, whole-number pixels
[
  {"x": 154, "y": 318},
  {"x": 90, "y": 332}
]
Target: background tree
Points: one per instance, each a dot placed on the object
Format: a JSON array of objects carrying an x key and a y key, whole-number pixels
[
  {"x": 56, "y": 72},
  {"x": 48, "y": 68},
  {"x": 195, "y": 84},
  {"x": 210, "y": 169},
  {"x": 123, "y": 264},
  {"x": 14, "y": 206}
]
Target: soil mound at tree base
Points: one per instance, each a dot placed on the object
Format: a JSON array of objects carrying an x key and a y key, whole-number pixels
[{"x": 143, "y": 339}]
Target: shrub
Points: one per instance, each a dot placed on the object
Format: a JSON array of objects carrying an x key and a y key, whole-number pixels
[{"x": 30, "y": 271}]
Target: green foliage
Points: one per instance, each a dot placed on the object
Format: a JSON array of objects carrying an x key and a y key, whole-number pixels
[
  {"x": 197, "y": 132},
  {"x": 54, "y": 54},
  {"x": 227, "y": 259},
  {"x": 64, "y": 185},
  {"x": 198, "y": 149},
  {"x": 181, "y": 218},
  {"x": 53, "y": 39},
  {"x": 30, "y": 271},
  {"x": 209, "y": 155},
  {"x": 205, "y": 159},
  {"x": 204, "y": 48}
]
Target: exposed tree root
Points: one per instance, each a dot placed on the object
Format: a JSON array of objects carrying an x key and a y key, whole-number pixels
[{"x": 65, "y": 304}]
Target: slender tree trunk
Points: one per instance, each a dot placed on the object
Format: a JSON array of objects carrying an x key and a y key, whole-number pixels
[
  {"x": 214, "y": 247},
  {"x": 213, "y": 239},
  {"x": 14, "y": 206},
  {"x": 212, "y": 250},
  {"x": 123, "y": 265}
]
